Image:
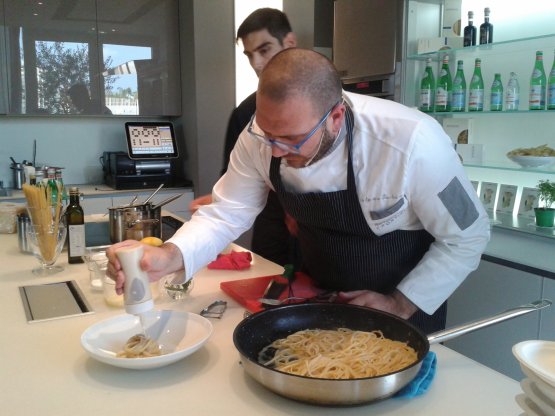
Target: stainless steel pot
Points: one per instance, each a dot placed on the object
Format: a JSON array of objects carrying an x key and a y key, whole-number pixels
[
  {"x": 134, "y": 222},
  {"x": 261, "y": 329}
]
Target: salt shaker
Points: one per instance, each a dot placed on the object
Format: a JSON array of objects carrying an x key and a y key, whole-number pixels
[{"x": 137, "y": 297}]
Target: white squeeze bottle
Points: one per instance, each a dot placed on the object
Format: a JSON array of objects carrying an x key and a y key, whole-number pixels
[
  {"x": 512, "y": 93},
  {"x": 136, "y": 292}
]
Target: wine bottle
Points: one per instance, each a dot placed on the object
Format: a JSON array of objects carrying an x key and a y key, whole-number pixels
[
  {"x": 470, "y": 31},
  {"x": 75, "y": 219},
  {"x": 444, "y": 87},
  {"x": 512, "y": 93},
  {"x": 486, "y": 29},
  {"x": 427, "y": 89},
  {"x": 458, "y": 101},
  {"x": 496, "y": 96},
  {"x": 551, "y": 88},
  {"x": 476, "y": 89},
  {"x": 537, "y": 84}
]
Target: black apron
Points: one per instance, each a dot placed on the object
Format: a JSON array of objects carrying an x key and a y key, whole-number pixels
[{"x": 339, "y": 249}]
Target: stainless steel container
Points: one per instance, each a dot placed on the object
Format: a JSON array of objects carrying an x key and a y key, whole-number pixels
[
  {"x": 23, "y": 225},
  {"x": 134, "y": 222},
  {"x": 18, "y": 175}
]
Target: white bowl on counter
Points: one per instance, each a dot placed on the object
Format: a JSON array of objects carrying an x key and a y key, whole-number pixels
[
  {"x": 538, "y": 358},
  {"x": 532, "y": 391},
  {"x": 179, "y": 334}
]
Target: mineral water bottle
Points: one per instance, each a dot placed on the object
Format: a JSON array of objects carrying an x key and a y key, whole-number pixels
[
  {"x": 476, "y": 89},
  {"x": 537, "y": 84},
  {"x": 512, "y": 93},
  {"x": 486, "y": 29},
  {"x": 470, "y": 31},
  {"x": 551, "y": 88},
  {"x": 458, "y": 101},
  {"x": 496, "y": 101},
  {"x": 444, "y": 87},
  {"x": 427, "y": 89}
]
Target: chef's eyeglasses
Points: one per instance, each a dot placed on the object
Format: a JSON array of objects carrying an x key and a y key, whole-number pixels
[{"x": 258, "y": 134}]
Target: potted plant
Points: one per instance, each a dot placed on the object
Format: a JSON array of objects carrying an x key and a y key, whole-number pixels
[{"x": 545, "y": 215}]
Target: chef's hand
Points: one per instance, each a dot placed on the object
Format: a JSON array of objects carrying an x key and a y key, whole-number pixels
[
  {"x": 200, "y": 201},
  {"x": 156, "y": 261},
  {"x": 395, "y": 303}
]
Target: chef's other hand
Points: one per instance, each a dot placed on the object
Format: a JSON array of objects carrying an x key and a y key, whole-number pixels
[
  {"x": 198, "y": 202},
  {"x": 395, "y": 303},
  {"x": 156, "y": 261}
]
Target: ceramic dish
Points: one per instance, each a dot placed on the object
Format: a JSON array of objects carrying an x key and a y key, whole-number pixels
[
  {"x": 533, "y": 161},
  {"x": 546, "y": 389},
  {"x": 533, "y": 393},
  {"x": 538, "y": 357},
  {"x": 528, "y": 406},
  {"x": 178, "y": 333}
]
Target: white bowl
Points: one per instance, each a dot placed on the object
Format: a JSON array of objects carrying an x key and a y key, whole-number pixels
[
  {"x": 546, "y": 389},
  {"x": 533, "y": 161},
  {"x": 528, "y": 406},
  {"x": 538, "y": 357},
  {"x": 545, "y": 404},
  {"x": 178, "y": 333}
]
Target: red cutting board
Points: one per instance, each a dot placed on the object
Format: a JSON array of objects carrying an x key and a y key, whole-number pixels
[{"x": 248, "y": 291}]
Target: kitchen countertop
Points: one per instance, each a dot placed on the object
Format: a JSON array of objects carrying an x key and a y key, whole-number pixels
[
  {"x": 91, "y": 190},
  {"x": 45, "y": 371}
]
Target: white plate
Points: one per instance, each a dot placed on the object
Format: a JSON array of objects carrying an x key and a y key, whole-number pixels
[
  {"x": 539, "y": 357},
  {"x": 533, "y": 393},
  {"x": 533, "y": 161},
  {"x": 528, "y": 406},
  {"x": 178, "y": 333}
]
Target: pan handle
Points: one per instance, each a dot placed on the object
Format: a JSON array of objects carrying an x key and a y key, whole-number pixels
[{"x": 450, "y": 333}]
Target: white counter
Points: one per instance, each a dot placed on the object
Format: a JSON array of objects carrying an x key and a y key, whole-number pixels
[{"x": 44, "y": 370}]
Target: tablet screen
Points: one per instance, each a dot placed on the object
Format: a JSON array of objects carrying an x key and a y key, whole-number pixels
[{"x": 147, "y": 140}]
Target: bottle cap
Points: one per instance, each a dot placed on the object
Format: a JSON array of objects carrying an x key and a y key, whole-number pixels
[{"x": 470, "y": 15}]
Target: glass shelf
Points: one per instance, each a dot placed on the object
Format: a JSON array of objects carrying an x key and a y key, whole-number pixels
[
  {"x": 463, "y": 114},
  {"x": 509, "y": 46},
  {"x": 510, "y": 166},
  {"x": 521, "y": 224}
]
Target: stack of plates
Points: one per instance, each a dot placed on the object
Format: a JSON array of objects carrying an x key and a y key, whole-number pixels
[{"x": 537, "y": 361}]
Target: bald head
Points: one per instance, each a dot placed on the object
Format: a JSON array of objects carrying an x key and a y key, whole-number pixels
[{"x": 301, "y": 72}]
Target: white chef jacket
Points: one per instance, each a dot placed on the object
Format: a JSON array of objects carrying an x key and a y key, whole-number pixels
[{"x": 402, "y": 161}]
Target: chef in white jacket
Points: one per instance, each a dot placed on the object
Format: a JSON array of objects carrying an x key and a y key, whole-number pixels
[{"x": 385, "y": 211}]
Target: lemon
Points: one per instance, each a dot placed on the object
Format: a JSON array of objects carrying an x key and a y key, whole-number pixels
[{"x": 152, "y": 241}]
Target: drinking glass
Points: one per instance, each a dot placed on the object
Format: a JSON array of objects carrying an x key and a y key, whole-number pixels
[
  {"x": 173, "y": 286},
  {"x": 47, "y": 243}
]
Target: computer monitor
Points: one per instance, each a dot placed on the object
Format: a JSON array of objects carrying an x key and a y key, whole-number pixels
[{"x": 151, "y": 140}]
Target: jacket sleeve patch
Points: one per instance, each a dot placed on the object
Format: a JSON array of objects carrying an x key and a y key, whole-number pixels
[{"x": 459, "y": 204}]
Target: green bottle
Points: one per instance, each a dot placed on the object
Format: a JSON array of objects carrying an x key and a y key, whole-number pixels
[
  {"x": 444, "y": 87},
  {"x": 537, "y": 84},
  {"x": 458, "y": 99},
  {"x": 53, "y": 186},
  {"x": 551, "y": 88},
  {"x": 496, "y": 98},
  {"x": 476, "y": 89},
  {"x": 427, "y": 89}
]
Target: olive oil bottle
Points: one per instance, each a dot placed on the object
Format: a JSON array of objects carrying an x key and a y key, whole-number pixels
[{"x": 75, "y": 219}]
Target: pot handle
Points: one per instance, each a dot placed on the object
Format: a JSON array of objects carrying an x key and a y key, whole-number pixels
[
  {"x": 450, "y": 333},
  {"x": 145, "y": 221}
]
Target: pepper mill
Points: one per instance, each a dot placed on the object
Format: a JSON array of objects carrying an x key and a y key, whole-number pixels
[{"x": 137, "y": 297}]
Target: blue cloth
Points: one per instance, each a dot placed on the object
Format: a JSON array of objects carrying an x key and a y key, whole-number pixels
[{"x": 420, "y": 384}]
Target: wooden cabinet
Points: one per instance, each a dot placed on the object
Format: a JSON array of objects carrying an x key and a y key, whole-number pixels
[{"x": 91, "y": 57}]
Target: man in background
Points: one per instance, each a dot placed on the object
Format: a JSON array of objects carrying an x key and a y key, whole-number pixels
[{"x": 264, "y": 33}]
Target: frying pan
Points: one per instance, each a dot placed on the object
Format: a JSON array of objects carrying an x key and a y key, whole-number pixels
[{"x": 261, "y": 329}]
